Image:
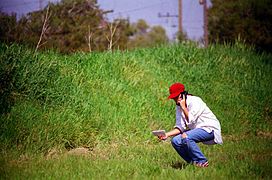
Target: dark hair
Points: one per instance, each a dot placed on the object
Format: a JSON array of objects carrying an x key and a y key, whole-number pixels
[{"x": 184, "y": 93}]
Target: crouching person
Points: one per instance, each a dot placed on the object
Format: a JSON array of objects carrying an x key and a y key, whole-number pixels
[{"x": 195, "y": 123}]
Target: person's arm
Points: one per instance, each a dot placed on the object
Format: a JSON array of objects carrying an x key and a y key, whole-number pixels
[
  {"x": 177, "y": 131},
  {"x": 184, "y": 108},
  {"x": 173, "y": 132},
  {"x": 186, "y": 112}
]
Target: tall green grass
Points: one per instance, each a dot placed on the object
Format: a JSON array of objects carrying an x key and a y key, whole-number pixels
[{"x": 109, "y": 103}]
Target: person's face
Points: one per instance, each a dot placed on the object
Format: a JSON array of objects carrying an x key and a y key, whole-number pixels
[{"x": 177, "y": 99}]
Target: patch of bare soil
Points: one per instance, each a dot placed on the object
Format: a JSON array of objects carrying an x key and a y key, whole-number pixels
[
  {"x": 55, "y": 153},
  {"x": 52, "y": 153},
  {"x": 265, "y": 134},
  {"x": 79, "y": 151}
]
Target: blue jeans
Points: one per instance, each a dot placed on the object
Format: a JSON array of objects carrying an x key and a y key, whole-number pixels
[{"x": 187, "y": 147}]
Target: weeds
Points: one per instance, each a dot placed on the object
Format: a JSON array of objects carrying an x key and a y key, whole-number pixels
[{"x": 108, "y": 103}]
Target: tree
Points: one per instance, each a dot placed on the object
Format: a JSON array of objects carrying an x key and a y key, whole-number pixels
[
  {"x": 117, "y": 34},
  {"x": 79, "y": 25},
  {"x": 181, "y": 36},
  {"x": 7, "y": 27},
  {"x": 74, "y": 25},
  {"x": 249, "y": 20},
  {"x": 157, "y": 35},
  {"x": 146, "y": 36},
  {"x": 141, "y": 26}
]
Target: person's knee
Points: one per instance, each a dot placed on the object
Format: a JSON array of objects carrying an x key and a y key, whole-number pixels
[
  {"x": 175, "y": 141},
  {"x": 178, "y": 141}
]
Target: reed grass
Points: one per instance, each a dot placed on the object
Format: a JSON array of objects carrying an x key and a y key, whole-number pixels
[{"x": 110, "y": 102}]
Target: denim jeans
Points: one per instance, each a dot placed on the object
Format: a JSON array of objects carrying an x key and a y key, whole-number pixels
[{"x": 187, "y": 147}]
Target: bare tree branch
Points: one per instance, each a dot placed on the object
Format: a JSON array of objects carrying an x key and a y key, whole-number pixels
[
  {"x": 44, "y": 28},
  {"x": 89, "y": 38},
  {"x": 112, "y": 29}
]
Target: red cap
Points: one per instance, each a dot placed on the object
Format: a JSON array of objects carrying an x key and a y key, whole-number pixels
[{"x": 175, "y": 89}]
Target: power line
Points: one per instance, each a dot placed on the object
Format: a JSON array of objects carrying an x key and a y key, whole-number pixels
[
  {"x": 138, "y": 9},
  {"x": 179, "y": 16}
]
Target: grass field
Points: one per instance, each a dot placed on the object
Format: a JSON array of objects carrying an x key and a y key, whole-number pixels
[{"x": 90, "y": 116}]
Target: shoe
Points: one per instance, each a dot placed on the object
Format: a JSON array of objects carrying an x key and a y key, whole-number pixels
[{"x": 205, "y": 164}]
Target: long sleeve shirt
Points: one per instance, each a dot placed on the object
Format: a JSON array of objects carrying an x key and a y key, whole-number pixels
[{"x": 199, "y": 116}]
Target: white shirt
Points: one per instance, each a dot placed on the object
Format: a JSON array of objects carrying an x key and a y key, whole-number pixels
[{"x": 200, "y": 116}]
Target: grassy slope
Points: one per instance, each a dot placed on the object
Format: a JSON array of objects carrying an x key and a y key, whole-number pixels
[{"x": 109, "y": 103}]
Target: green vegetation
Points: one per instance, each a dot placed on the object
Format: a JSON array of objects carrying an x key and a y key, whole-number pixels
[
  {"x": 108, "y": 103},
  {"x": 78, "y": 25},
  {"x": 82, "y": 26},
  {"x": 248, "y": 20}
]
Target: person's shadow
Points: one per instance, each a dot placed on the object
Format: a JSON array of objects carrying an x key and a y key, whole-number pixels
[{"x": 179, "y": 165}]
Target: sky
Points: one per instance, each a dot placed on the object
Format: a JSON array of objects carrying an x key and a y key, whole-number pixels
[{"x": 192, "y": 12}]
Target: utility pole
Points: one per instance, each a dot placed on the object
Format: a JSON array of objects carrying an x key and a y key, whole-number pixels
[
  {"x": 205, "y": 17},
  {"x": 179, "y": 16}
]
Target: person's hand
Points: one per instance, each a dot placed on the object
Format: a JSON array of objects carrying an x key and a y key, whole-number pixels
[
  {"x": 184, "y": 135},
  {"x": 182, "y": 101},
  {"x": 163, "y": 137}
]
